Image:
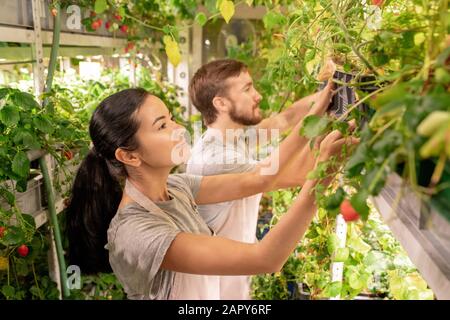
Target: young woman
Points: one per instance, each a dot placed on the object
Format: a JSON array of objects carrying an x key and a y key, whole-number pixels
[{"x": 156, "y": 243}]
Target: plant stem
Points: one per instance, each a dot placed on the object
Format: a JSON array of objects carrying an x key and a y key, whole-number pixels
[
  {"x": 143, "y": 23},
  {"x": 345, "y": 114},
  {"x": 379, "y": 173},
  {"x": 53, "y": 55},
  {"x": 384, "y": 128},
  {"x": 439, "y": 169},
  {"x": 351, "y": 43},
  {"x": 310, "y": 25},
  {"x": 35, "y": 281}
]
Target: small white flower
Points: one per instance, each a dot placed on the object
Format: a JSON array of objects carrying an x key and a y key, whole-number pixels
[{"x": 373, "y": 17}]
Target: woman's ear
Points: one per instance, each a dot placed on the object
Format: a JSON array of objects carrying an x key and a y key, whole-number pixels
[{"x": 130, "y": 158}]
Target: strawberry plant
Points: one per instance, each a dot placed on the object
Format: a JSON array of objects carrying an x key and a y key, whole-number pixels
[
  {"x": 396, "y": 54},
  {"x": 373, "y": 260}
]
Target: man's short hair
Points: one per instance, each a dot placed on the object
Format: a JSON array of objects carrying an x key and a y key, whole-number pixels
[{"x": 209, "y": 82}]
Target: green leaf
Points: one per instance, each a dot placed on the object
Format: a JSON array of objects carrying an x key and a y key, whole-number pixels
[
  {"x": 7, "y": 195},
  {"x": 314, "y": 126},
  {"x": 333, "y": 289},
  {"x": 121, "y": 11},
  {"x": 211, "y": 6},
  {"x": 21, "y": 185},
  {"x": 342, "y": 48},
  {"x": 319, "y": 173},
  {"x": 227, "y": 10},
  {"x": 22, "y": 268},
  {"x": 359, "y": 203},
  {"x": 359, "y": 245},
  {"x": 8, "y": 291},
  {"x": 341, "y": 126},
  {"x": 357, "y": 161},
  {"x": 9, "y": 115},
  {"x": 341, "y": 254},
  {"x": 408, "y": 39},
  {"x": 272, "y": 19},
  {"x": 375, "y": 261},
  {"x": 396, "y": 284},
  {"x": 442, "y": 58},
  {"x": 100, "y": 6},
  {"x": 3, "y": 92},
  {"x": 25, "y": 138},
  {"x": 334, "y": 200},
  {"x": 43, "y": 124},
  {"x": 29, "y": 222},
  {"x": 369, "y": 178},
  {"x": 25, "y": 100},
  {"x": 66, "y": 105},
  {"x": 332, "y": 243},
  {"x": 395, "y": 93},
  {"x": 21, "y": 164},
  {"x": 4, "y": 151},
  {"x": 356, "y": 281},
  {"x": 442, "y": 76},
  {"x": 14, "y": 236},
  {"x": 35, "y": 292},
  {"x": 201, "y": 19}
]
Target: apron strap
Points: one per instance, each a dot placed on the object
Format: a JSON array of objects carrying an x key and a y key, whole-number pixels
[
  {"x": 149, "y": 205},
  {"x": 140, "y": 198}
]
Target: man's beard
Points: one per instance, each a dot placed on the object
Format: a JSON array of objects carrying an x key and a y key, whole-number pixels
[{"x": 243, "y": 120}]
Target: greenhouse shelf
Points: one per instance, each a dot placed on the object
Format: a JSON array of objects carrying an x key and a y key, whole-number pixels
[
  {"x": 423, "y": 233},
  {"x": 41, "y": 217},
  {"x": 23, "y": 35}
]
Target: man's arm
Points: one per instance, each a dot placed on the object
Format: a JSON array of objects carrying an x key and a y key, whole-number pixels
[
  {"x": 289, "y": 117},
  {"x": 301, "y": 156}
]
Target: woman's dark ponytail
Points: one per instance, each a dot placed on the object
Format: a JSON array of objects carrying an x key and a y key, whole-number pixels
[
  {"x": 96, "y": 191},
  {"x": 95, "y": 197}
]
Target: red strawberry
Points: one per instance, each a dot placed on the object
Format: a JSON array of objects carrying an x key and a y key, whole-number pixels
[
  {"x": 118, "y": 17},
  {"x": 124, "y": 28},
  {"x": 68, "y": 154},
  {"x": 94, "y": 25},
  {"x": 129, "y": 47},
  {"x": 347, "y": 211},
  {"x": 107, "y": 25},
  {"x": 377, "y": 2},
  {"x": 2, "y": 232},
  {"x": 23, "y": 250}
]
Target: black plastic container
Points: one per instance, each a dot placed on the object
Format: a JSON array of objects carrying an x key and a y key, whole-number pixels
[{"x": 346, "y": 95}]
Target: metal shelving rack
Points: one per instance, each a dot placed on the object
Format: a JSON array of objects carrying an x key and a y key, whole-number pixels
[{"x": 22, "y": 21}]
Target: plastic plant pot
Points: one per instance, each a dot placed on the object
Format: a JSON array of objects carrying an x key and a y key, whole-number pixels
[
  {"x": 30, "y": 201},
  {"x": 346, "y": 95},
  {"x": 301, "y": 293}
]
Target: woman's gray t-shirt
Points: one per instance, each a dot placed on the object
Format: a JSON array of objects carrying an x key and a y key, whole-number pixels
[{"x": 138, "y": 239}]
